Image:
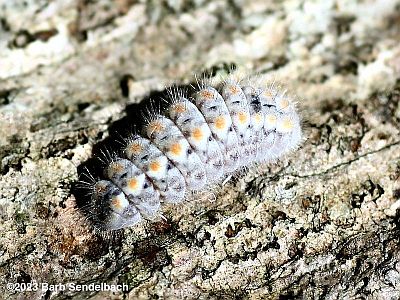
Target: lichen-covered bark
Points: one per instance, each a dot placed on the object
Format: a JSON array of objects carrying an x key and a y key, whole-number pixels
[{"x": 323, "y": 223}]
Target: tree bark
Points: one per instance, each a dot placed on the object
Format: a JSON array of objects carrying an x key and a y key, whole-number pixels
[{"x": 322, "y": 223}]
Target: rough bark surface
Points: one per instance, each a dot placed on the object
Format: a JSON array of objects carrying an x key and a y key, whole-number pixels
[{"x": 322, "y": 223}]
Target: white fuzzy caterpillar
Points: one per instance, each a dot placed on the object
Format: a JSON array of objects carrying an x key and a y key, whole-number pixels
[{"x": 199, "y": 141}]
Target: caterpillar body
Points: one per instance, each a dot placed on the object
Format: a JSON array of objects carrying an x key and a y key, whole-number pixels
[{"x": 197, "y": 142}]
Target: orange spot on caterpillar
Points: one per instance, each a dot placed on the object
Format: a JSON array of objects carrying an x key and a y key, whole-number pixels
[
  {"x": 136, "y": 148},
  {"x": 197, "y": 134},
  {"x": 133, "y": 183},
  {"x": 116, "y": 203},
  {"x": 287, "y": 124},
  {"x": 155, "y": 166},
  {"x": 268, "y": 94},
  {"x": 100, "y": 188},
  {"x": 176, "y": 149},
  {"x": 156, "y": 126},
  {"x": 117, "y": 168},
  {"x": 284, "y": 103},
  {"x": 233, "y": 90},
  {"x": 179, "y": 108},
  {"x": 258, "y": 118},
  {"x": 242, "y": 117},
  {"x": 271, "y": 119},
  {"x": 220, "y": 122},
  {"x": 207, "y": 94}
]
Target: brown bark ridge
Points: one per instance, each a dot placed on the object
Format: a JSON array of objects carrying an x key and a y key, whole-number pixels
[{"x": 323, "y": 223}]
